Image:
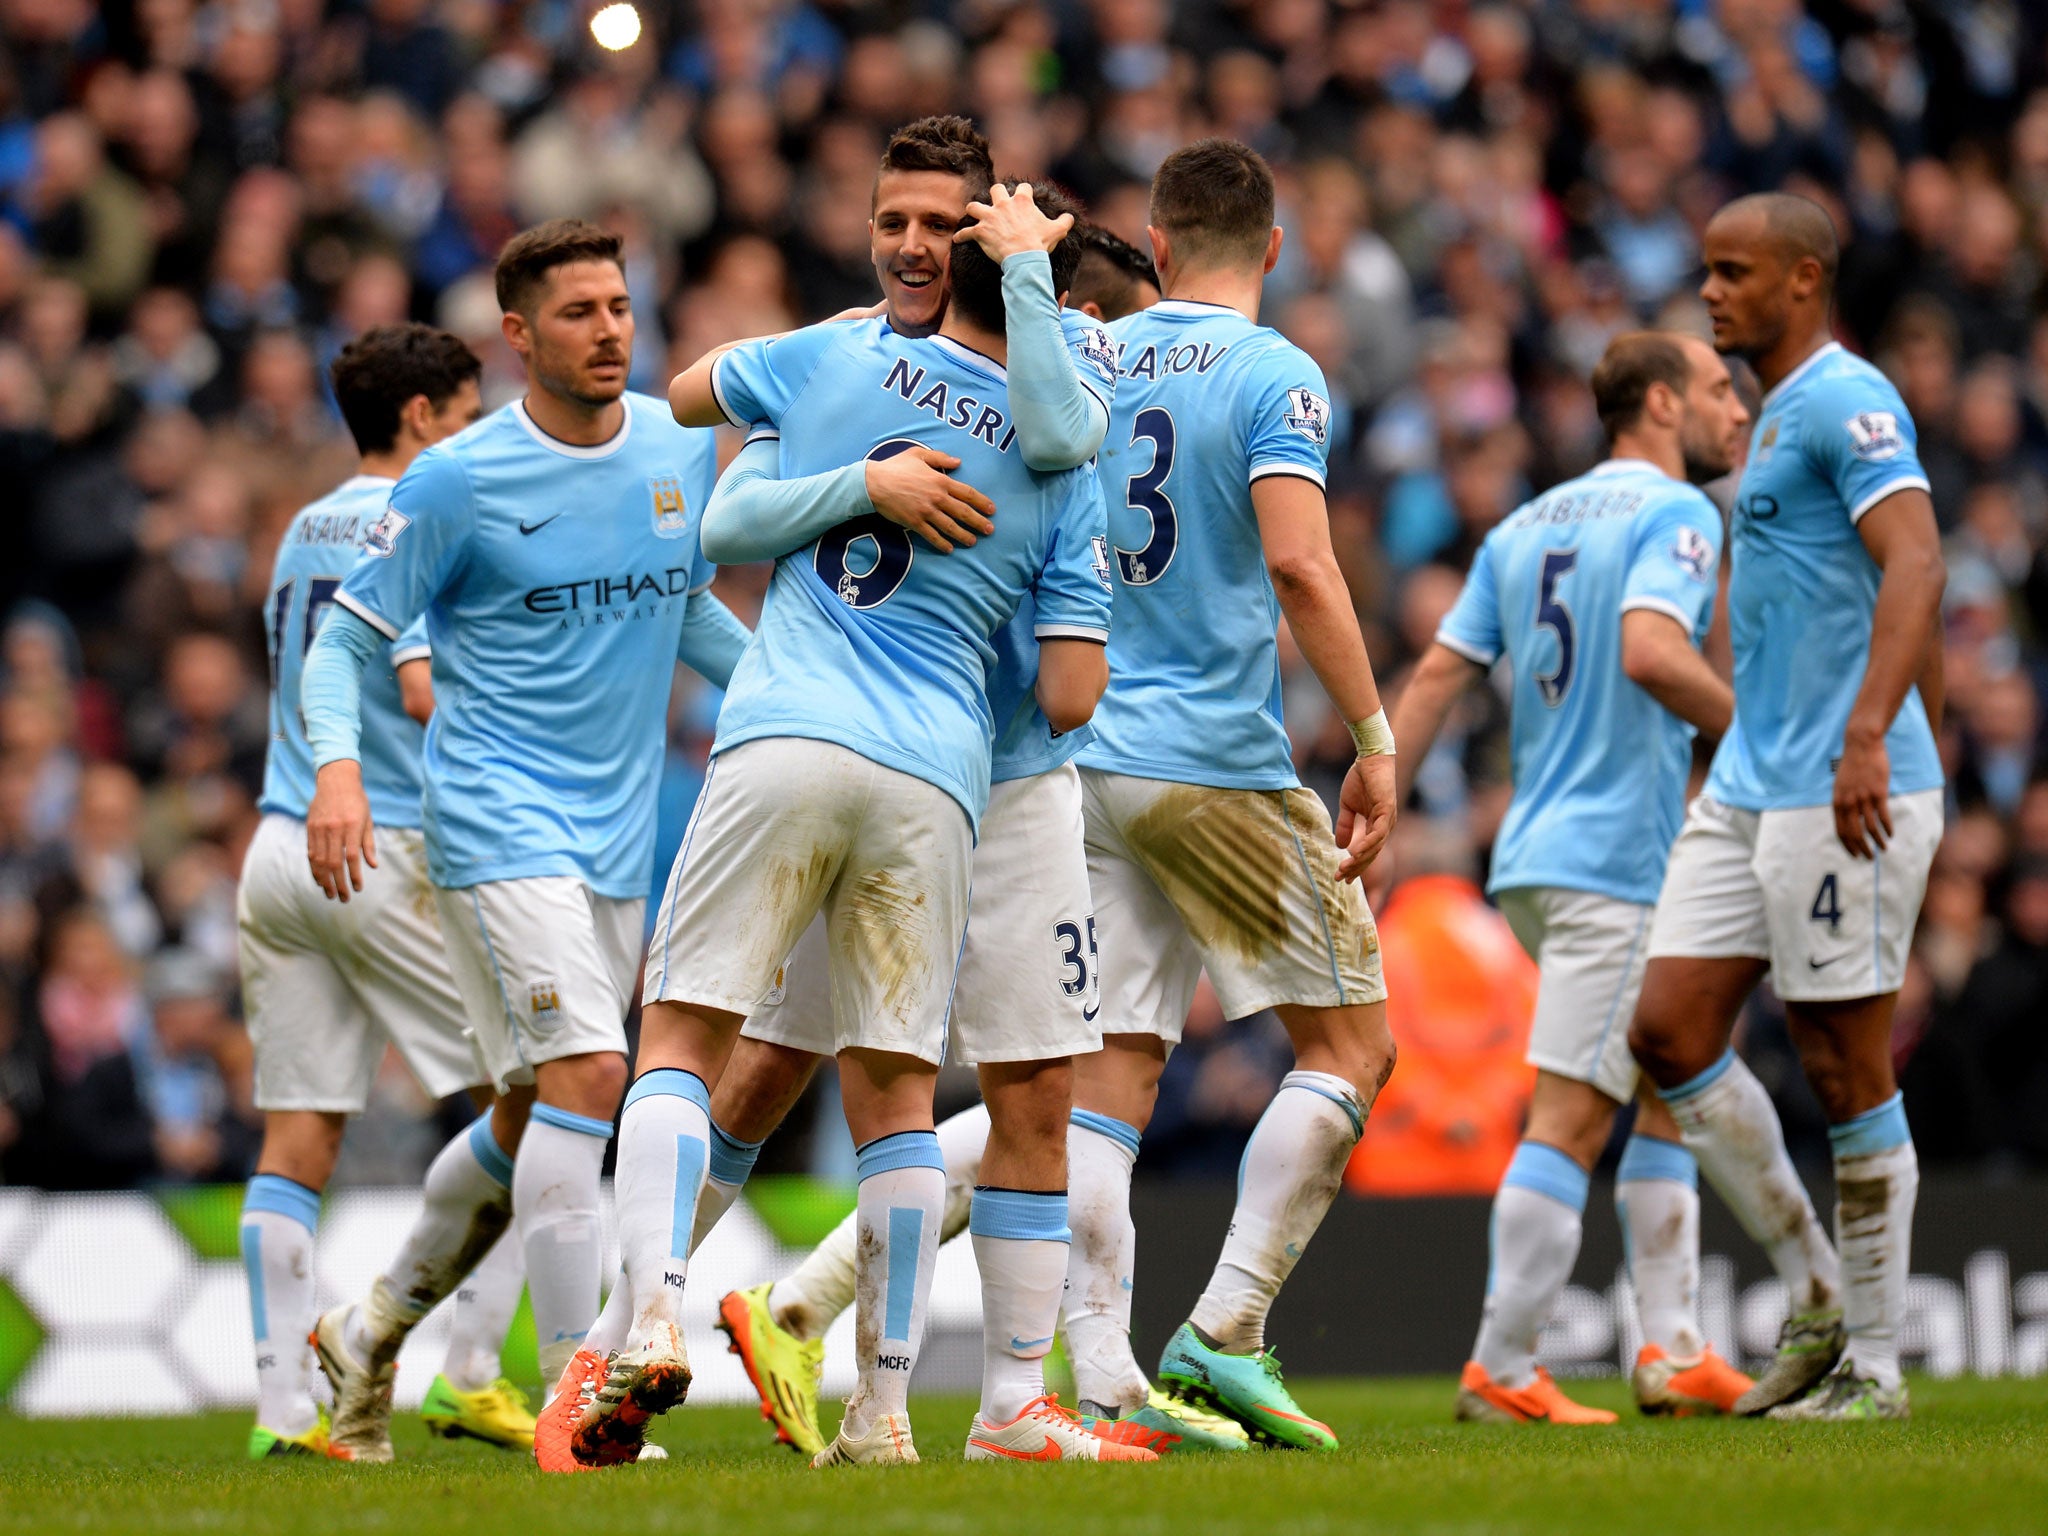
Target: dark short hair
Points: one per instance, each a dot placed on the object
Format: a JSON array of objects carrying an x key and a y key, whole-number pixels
[
  {"x": 951, "y": 146},
  {"x": 388, "y": 365},
  {"x": 1799, "y": 229},
  {"x": 1111, "y": 270},
  {"x": 1214, "y": 199},
  {"x": 977, "y": 280},
  {"x": 529, "y": 256},
  {"x": 1633, "y": 362}
]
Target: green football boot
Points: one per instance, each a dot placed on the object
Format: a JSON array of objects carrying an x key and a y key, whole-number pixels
[
  {"x": 265, "y": 1443},
  {"x": 1246, "y": 1388}
]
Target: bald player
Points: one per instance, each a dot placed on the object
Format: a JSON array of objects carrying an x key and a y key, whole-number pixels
[{"x": 1807, "y": 853}]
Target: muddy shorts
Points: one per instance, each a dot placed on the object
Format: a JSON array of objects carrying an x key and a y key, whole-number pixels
[
  {"x": 1590, "y": 951},
  {"x": 328, "y": 985},
  {"x": 1239, "y": 882},
  {"x": 787, "y": 828},
  {"x": 1027, "y": 989}
]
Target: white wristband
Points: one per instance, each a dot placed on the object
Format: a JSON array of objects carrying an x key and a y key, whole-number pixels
[{"x": 1371, "y": 735}]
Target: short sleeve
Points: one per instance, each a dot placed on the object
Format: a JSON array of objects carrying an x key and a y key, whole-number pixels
[
  {"x": 1094, "y": 352},
  {"x": 412, "y": 645},
  {"x": 1860, "y": 438},
  {"x": 1286, "y": 406},
  {"x": 1673, "y": 561},
  {"x": 413, "y": 550},
  {"x": 1073, "y": 589},
  {"x": 1472, "y": 627},
  {"x": 755, "y": 381}
]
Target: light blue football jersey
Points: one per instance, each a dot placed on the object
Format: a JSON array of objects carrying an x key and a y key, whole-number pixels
[
  {"x": 319, "y": 549},
  {"x": 1831, "y": 441},
  {"x": 866, "y": 639},
  {"x": 1600, "y": 767},
  {"x": 1206, "y": 403},
  {"x": 553, "y": 579}
]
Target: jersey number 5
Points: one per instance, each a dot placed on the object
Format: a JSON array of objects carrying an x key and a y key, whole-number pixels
[
  {"x": 1147, "y": 493},
  {"x": 879, "y": 578},
  {"x": 1557, "y": 618}
]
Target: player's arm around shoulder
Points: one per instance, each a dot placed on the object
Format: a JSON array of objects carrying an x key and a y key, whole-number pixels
[{"x": 754, "y": 380}]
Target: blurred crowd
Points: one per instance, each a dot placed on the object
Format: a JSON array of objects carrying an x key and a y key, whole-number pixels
[{"x": 200, "y": 202}]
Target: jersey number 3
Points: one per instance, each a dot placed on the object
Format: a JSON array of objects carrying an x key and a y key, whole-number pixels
[
  {"x": 1147, "y": 493},
  {"x": 1557, "y": 618}
]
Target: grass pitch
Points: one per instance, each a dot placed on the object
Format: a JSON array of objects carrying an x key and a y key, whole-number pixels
[{"x": 1975, "y": 1459}]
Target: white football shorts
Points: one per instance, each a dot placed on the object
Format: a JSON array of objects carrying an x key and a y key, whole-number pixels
[
  {"x": 1779, "y": 886},
  {"x": 326, "y": 985},
  {"x": 1240, "y": 882},
  {"x": 1590, "y": 951},
  {"x": 546, "y": 967},
  {"x": 786, "y": 828},
  {"x": 1028, "y": 987}
]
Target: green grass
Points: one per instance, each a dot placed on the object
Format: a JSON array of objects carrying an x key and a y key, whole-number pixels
[{"x": 1974, "y": 1459}]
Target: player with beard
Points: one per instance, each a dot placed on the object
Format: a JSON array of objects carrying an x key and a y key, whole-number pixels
[
  {"x": 553, "y": 548},
  {"x": 1596, "y": 594}
]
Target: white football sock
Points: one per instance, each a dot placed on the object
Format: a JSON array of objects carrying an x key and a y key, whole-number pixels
[
  {"x": 664, "y": 1154},
  {"x": 467, "y": 1208},
  {"x": 1877, "y": 1181},
  {"x": 732, "y": 1160},
  {"x": 1538, "y": 1216},
  {"x": 614, "y": 1319},
  {"x": 902, "y": 1191},
  {"x": 1102, "y": 1263},
  {"x": 810, "y": 1299},
  {"x": 554, "y": 1200},
  {"x": 484, "y": 1304},
  {"x": 1020, "y": 1247},
  {"x": 1293, "y": 1167},
  {"x": 1657, "y": 1197},
  {"x": 1730, "y": 1125},
  {"x": 278, "y": 1218}
]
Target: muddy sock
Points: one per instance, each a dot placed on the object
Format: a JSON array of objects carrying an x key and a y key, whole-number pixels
[
  {"x": 1292, "y": 1169},
  {"x": 467, "y": 1208}
]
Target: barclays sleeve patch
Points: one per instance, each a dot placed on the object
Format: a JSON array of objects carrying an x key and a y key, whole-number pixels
[
  {"x": 1874, "y": 436},
  {"x": 1099, "y": 350},
  {"x": 382, "y": 537},
  {"x": 1693, "y": 554},
  {"x": 1309, "y": 414}
]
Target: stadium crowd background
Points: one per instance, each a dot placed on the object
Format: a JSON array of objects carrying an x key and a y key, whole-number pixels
[{"x": 199, "y": 203}]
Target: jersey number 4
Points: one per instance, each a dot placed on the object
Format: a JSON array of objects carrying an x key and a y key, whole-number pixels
[
  {"x": 879, "y": 577},
  {"x": 1146, "y": 493},
  {"x": 1553, "y": 615}
]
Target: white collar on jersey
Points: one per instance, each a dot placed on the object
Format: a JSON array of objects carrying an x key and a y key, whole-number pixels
[
  {"x": 1785, "y": 383},
  {"x": 553, "y": 444},
  {"x": 968, "y": 355},
  {"x": 1622, "y": 464},
  {"x": 363, "y": 482},
  {"x": 1190, "y": 309}
]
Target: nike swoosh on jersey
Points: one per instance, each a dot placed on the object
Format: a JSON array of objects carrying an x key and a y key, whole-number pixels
[{"x": 525, "y": 527}]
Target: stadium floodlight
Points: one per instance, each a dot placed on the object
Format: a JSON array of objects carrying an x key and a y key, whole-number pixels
[{"x": 616, "y": 27}]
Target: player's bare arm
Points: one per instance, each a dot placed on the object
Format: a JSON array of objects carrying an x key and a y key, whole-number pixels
[
  {"x": 690, "y": 397},
  {"x": 1435, "y": 684},
  {"x": 1072, "y": 675},
  {"x": 1901, "y": 536},
  {"x": 1294, "y": 532},
  {"x": 416, "y": 688},
  {"x": 1658, "y": 656}
]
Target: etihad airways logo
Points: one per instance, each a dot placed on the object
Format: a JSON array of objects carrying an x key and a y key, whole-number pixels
[{"x": 611, "y": 599}]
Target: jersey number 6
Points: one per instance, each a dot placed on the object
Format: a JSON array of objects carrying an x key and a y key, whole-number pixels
[{"x": 877, "y": 582}]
